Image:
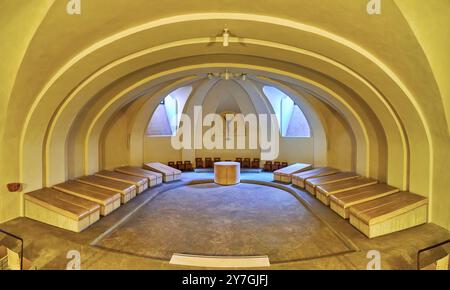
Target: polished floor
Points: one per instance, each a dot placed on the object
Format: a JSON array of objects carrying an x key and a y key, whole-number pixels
[
  {"x": 290, "y": 226},
  {"x": 211, "y": 220}
]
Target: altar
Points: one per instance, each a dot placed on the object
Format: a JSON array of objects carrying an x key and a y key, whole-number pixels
[{"x": 227, "y": 173}]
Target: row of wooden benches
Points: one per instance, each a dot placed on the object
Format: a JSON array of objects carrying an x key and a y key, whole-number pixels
[
  {"x": 374, "y": 208},
  {"x": 77, "y": 204}
]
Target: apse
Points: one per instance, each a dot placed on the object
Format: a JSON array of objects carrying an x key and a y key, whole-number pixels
[{"x": 187, "y": 134}]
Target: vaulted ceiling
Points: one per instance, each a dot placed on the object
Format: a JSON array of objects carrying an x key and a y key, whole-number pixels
[{"x": 65, "y": 77}]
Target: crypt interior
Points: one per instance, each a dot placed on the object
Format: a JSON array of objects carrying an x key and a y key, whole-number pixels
[{"x": 91, "y": 101}]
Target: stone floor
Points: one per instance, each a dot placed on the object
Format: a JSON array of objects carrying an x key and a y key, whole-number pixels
[{"x": 289, "y": 225}]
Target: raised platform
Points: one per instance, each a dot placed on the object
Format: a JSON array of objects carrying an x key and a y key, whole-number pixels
[
  {"x": 341, "y": 202},
  {"x": 389, "y": 214},
  {"x": 126, "y": 190},
  {"x": 154, "y": 178},
  {"x": 141, "y": 183},
  {"x": 220, "y": 262},
  {"x": 107, "y": 199},
  {"x": 61, "y": 210},
  {"x": 323, "y": 192}
]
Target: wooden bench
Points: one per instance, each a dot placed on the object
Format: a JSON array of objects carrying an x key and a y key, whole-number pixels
[
  {"x": 312, "y": 183},
  {"x": 127, "y": 191},
  {"x": 141, "y": 183},
  {"x": 299, "y": 179},
  {"x": 341, "y": 202},
  {"x": 107, "y": 199},
  {"x": 323, "y": 192},
  {"x": 285, "y": 174},
  {"x": 154, "y": 178},
  {"x": 169, "y": 174},
  {"x": 389, "y": 214},
  {"x": 61, "y": 210}
]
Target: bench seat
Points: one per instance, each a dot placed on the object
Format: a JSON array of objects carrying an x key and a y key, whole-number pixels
[
  {"x": 154, "y": 178},
  {"x": 141, "y": 183},
  {"x": 127, "y": 191},
  {"x": 341, "y": 202},
  {"x": 323, "y": 192},
  {"x": 285, "y": 174},
  {"x": 389, "y": 214},
  {"x": 299, "y": 179},
  {"x": 169, "y": 173},
  {"x": 312, "y": 183},
  {"x": 107, "y": 199},
  {"x": 62, "y": 210}
]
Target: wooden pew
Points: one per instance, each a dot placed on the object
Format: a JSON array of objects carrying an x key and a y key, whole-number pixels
[
  {"x": 285, "y": 174},
  {"x": 389, "y": 214},
  {"x": 141, "y": 183},
  {"x": 169, "y": 174},
  {"x": 341, "y": 202},
  {"x": 61, "y": 210},
  {"x": 323, "y": 192},
  {"x": 127, "y": 191},
  {"x": 154, "y": 178},
  {"x": 312, "y": 183},
  {"x": 107, "y": 199},
  {"x": 299, "y": 179}
]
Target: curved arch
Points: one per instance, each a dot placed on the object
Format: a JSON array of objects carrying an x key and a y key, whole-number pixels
[
  {"x": 364, "y": 158},
  {"x": 208, "y": 40}
]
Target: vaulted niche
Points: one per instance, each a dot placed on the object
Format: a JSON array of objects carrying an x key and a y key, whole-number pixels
[{"x": 290, "y": 117}]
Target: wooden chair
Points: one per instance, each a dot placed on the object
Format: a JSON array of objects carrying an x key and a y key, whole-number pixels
[
  {"x": 199, "y": 163},
  {"x": 188, "y": 166},
  {"x": 256, "y": 163},
  {"x": 284, "y": 165},
  {"x": 172, "y": 164},
  {"x": 217, "y": 159},
  {"x": 276, "y": 165},
  {"x": 209, "y": 163},
  {"x": 246, "y": 163},
  {"x": 238, "y": 159},
  {"x": 180, "y": 165},
  {"x": 268, "y": 166}
]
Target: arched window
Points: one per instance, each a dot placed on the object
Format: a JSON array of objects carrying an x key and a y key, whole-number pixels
[
  {"x": 291, "y": 120},
  {"x": 166, "y": 118}
]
